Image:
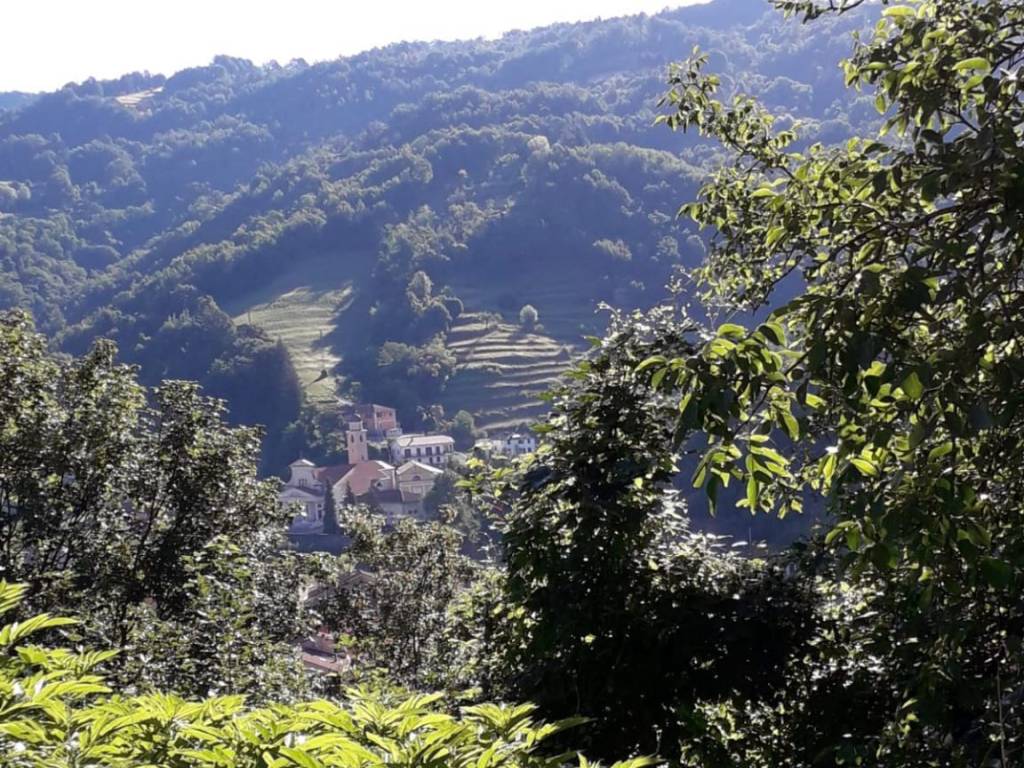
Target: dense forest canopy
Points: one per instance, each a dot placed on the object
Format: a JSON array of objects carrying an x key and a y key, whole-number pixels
[{"x": 174, "y": 214}]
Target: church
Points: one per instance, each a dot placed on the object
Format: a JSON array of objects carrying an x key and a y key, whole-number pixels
[{"x": 396, "y": 491}]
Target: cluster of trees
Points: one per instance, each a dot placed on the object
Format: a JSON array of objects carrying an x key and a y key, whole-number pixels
[{"x": 139, "y": 511}]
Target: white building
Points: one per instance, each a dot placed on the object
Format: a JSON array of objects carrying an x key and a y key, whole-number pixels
[
  {"x": 434, "y": 450},
  {"x": 512, "y": 445},
  {"x": 519, "y": 444},
  {"x": 304, "y": 489}
]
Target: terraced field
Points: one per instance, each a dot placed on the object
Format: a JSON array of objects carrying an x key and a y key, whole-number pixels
[{"x": 501, "y": 371}]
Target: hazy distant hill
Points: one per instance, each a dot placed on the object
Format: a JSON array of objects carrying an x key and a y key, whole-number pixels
[{"x": 383, "y": 216}]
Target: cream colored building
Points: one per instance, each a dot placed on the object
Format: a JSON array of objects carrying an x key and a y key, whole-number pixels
[
  {"x": 417, "y": 478},
  {"x": 434, "y": 450}
]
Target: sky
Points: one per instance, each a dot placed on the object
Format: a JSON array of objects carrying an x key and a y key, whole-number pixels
[{"x": 47, "y": 43}]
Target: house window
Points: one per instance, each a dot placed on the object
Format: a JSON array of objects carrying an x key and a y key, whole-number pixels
[
  {"x": 319, "y": 511},
  {"x": 303, "y": 483},
  {"x": 408, "y": 452}
]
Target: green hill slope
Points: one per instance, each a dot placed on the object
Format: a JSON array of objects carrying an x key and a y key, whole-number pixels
[
  {"x": 501, "y": 371},
  {"x": 352, "y": 209}
]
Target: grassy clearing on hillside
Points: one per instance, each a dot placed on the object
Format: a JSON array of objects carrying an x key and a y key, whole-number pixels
[
  {"x": 302, "y": 308},
  {"x": 501, "y": 369}
]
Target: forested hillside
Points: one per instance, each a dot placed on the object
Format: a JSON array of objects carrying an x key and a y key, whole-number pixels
[
  {"x": 383, "y": 217},
  {"x": 852, "y": 339}
]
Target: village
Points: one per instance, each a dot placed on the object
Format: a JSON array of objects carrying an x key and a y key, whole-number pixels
[{"x": 395, "y": 488}]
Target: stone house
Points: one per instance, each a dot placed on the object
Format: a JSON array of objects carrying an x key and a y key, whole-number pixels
[{"x": 519, "y": 443}]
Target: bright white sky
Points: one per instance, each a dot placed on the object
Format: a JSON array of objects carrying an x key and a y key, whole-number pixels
[{"x": 47, "y": 43}]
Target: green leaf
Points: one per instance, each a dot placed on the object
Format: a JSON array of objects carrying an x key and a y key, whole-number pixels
[
  {"x": 940, "y": 450},
  {"x": 300, "y": 758},
  {"x": 900, "y": 12},
  {"x": 841, "y": 529},
  {"x": 684, "y": 402},
  {"x": 828, "y": 470},
  {"x": 732, "y": 331},
  {"x": 791, "y": 424},
  {"x": 973, "y": 82},
  {"x": 976, "y": 62},
  {"x": 774, "y": 332},
  {"x": 752, "y": 494},
  {"x": 912, "y": 386},
  {"x": 712, "y": 489},
  {"x": 997, "y": 573},
  {"x": 653, "y": 360},
  {"x": 884, "y": 556},
  {"x": 813, "y": 401},
  {"x": 864, "y": 466}
]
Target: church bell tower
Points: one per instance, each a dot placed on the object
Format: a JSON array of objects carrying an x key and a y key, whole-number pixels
[{"x": 356, "y": 439}]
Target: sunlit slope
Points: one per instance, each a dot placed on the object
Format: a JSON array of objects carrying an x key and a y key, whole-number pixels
[
  {"x": 302, "y": 309},
  {"x": 501, "y": 371}
]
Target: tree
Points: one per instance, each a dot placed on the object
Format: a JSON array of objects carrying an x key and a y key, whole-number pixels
[
  {"x": 56, "y": 710},
  {"x": 421, "y": 288},
  {"x": 241, "y": 611},
  {"x": 888, "y": 385},
  {"x": 528, "y": 317},
  {"x": 611, "y": 609},
  {"x": 462, "y": 428},
  {"x": 113, "y": 495},
  {"x": 394, "y": 589},
  {"x": 330, "y": 512}
]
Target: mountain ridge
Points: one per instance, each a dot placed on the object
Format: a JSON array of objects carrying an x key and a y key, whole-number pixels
[{"x": 430, "y": 178}]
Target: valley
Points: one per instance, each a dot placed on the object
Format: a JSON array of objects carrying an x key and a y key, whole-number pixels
[{"x": 371, "y": 227}]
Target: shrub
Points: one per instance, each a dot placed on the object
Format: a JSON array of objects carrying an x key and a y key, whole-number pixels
[
  {"x": 56, "y": 710},
  {"x": 528, "y": 317}
]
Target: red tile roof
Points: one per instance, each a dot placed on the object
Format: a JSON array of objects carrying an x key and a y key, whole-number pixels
[
  {"x": 333, "y": 473},
  {"x": 365, "y": 474}
]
